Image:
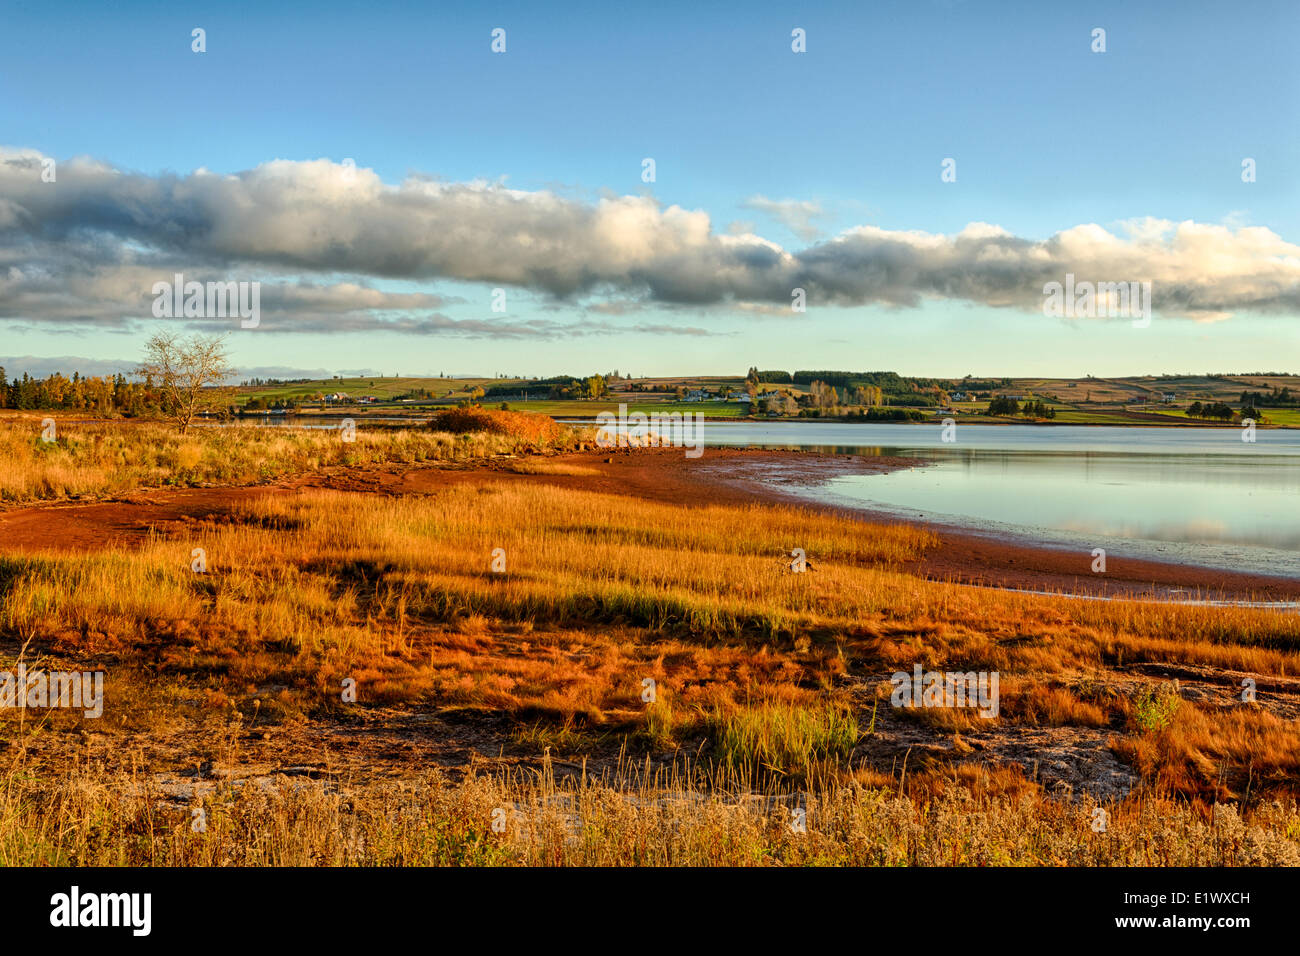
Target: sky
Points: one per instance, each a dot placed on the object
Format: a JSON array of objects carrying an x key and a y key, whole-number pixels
[{"x": 382, "y": 173}]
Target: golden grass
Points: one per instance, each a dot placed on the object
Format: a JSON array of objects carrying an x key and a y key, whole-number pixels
[
  {"x": 84, "y": 819},
  {"x": 602, "y": 592},
  {"x": 530, "y": 467},
  {"x": 105, "y": 458},
  {"x": 783, "y": 739}
]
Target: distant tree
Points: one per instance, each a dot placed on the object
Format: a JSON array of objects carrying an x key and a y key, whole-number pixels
[
  {"x": 780, "y": 403},
  {"x": 1003, "y": 406},
  {"x": 1216, "y": 410},
  {"x": 190, "y": 373},
  {"x": 822, "y": 395}
]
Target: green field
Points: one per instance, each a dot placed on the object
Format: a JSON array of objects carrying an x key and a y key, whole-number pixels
[
  {"x": 1076, "y": 416},
  {"x": 382, "y": 388},
  {"x": 594, "y": 408},
  {"x": 1091, "y": 401},
  {"x": 1287, "y": 417}
]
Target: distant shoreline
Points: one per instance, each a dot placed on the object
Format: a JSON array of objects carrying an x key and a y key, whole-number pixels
[{"x": 397, "y": 417}]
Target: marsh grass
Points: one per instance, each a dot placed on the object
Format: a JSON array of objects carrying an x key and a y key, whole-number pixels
[
  {"x": 754, "y": 665},
  {"x": 782, "y": 739},
  {"x": 656, "y": 818},
  {"x": 113, "y": 457},
  {"x": 603, "y": 591}
]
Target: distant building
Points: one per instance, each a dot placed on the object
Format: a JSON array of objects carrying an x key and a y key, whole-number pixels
[
  {"x": 1168, "y": 397},
  {"x": 698, "y": 395}
]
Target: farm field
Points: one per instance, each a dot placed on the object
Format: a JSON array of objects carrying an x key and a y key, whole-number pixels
[
  {"x": 1116, "y": 401},
  {"x": 382, "y": 388},
  {"x": 635, "y": 403},
  {"x": 1283, "y": 417}
]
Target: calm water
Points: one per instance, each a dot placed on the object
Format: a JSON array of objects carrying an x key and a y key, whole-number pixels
[
  {"x": 1198, "y": 495},
  {"x": 1186, "y": 494}
]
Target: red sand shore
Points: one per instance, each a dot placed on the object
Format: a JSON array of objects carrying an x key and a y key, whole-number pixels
[{"x": 730, "y": 476}]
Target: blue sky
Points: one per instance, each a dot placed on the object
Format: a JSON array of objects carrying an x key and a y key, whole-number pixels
[{"x": 1046, "y": 134}]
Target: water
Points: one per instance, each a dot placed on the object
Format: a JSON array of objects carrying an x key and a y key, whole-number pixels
[
  {"x": 1194, "y": 495},
  {"x": 329, "y": 421}
]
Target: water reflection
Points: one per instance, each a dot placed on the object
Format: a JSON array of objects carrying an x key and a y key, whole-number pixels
[{"x": 1186, "y": 494}]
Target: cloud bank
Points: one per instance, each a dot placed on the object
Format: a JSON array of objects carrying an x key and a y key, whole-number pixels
[{"x": 86, "y": 249}]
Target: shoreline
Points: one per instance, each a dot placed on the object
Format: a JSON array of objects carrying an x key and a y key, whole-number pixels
[
  {"x": 386, "y": 417},
  {"x": 965, "y": 556}
]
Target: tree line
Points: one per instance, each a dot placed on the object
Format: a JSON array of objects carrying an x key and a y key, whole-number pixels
[
  {"x": 99, "y": 394},
  {"x": 1215, "y": 410},
  {"x": 1031, "y": 408},
  {"x": 180, "y": 378},
  {"x": 1274, "y": 399}
]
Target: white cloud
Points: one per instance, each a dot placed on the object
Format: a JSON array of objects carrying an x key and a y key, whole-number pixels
[
  {"x": 318, "y": 234},
  {"x": 797, "y": 215}
]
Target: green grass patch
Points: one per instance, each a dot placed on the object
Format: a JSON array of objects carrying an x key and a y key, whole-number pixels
[{"x": 782, "y": 739}]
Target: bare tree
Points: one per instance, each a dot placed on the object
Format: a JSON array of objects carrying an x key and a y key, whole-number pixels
[{"x": 190, "y": 372}]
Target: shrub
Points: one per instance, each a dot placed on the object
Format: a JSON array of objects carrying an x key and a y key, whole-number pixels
[
  {"x": 529, "y": 426},
  {"x": 1154, "y": 708}
]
